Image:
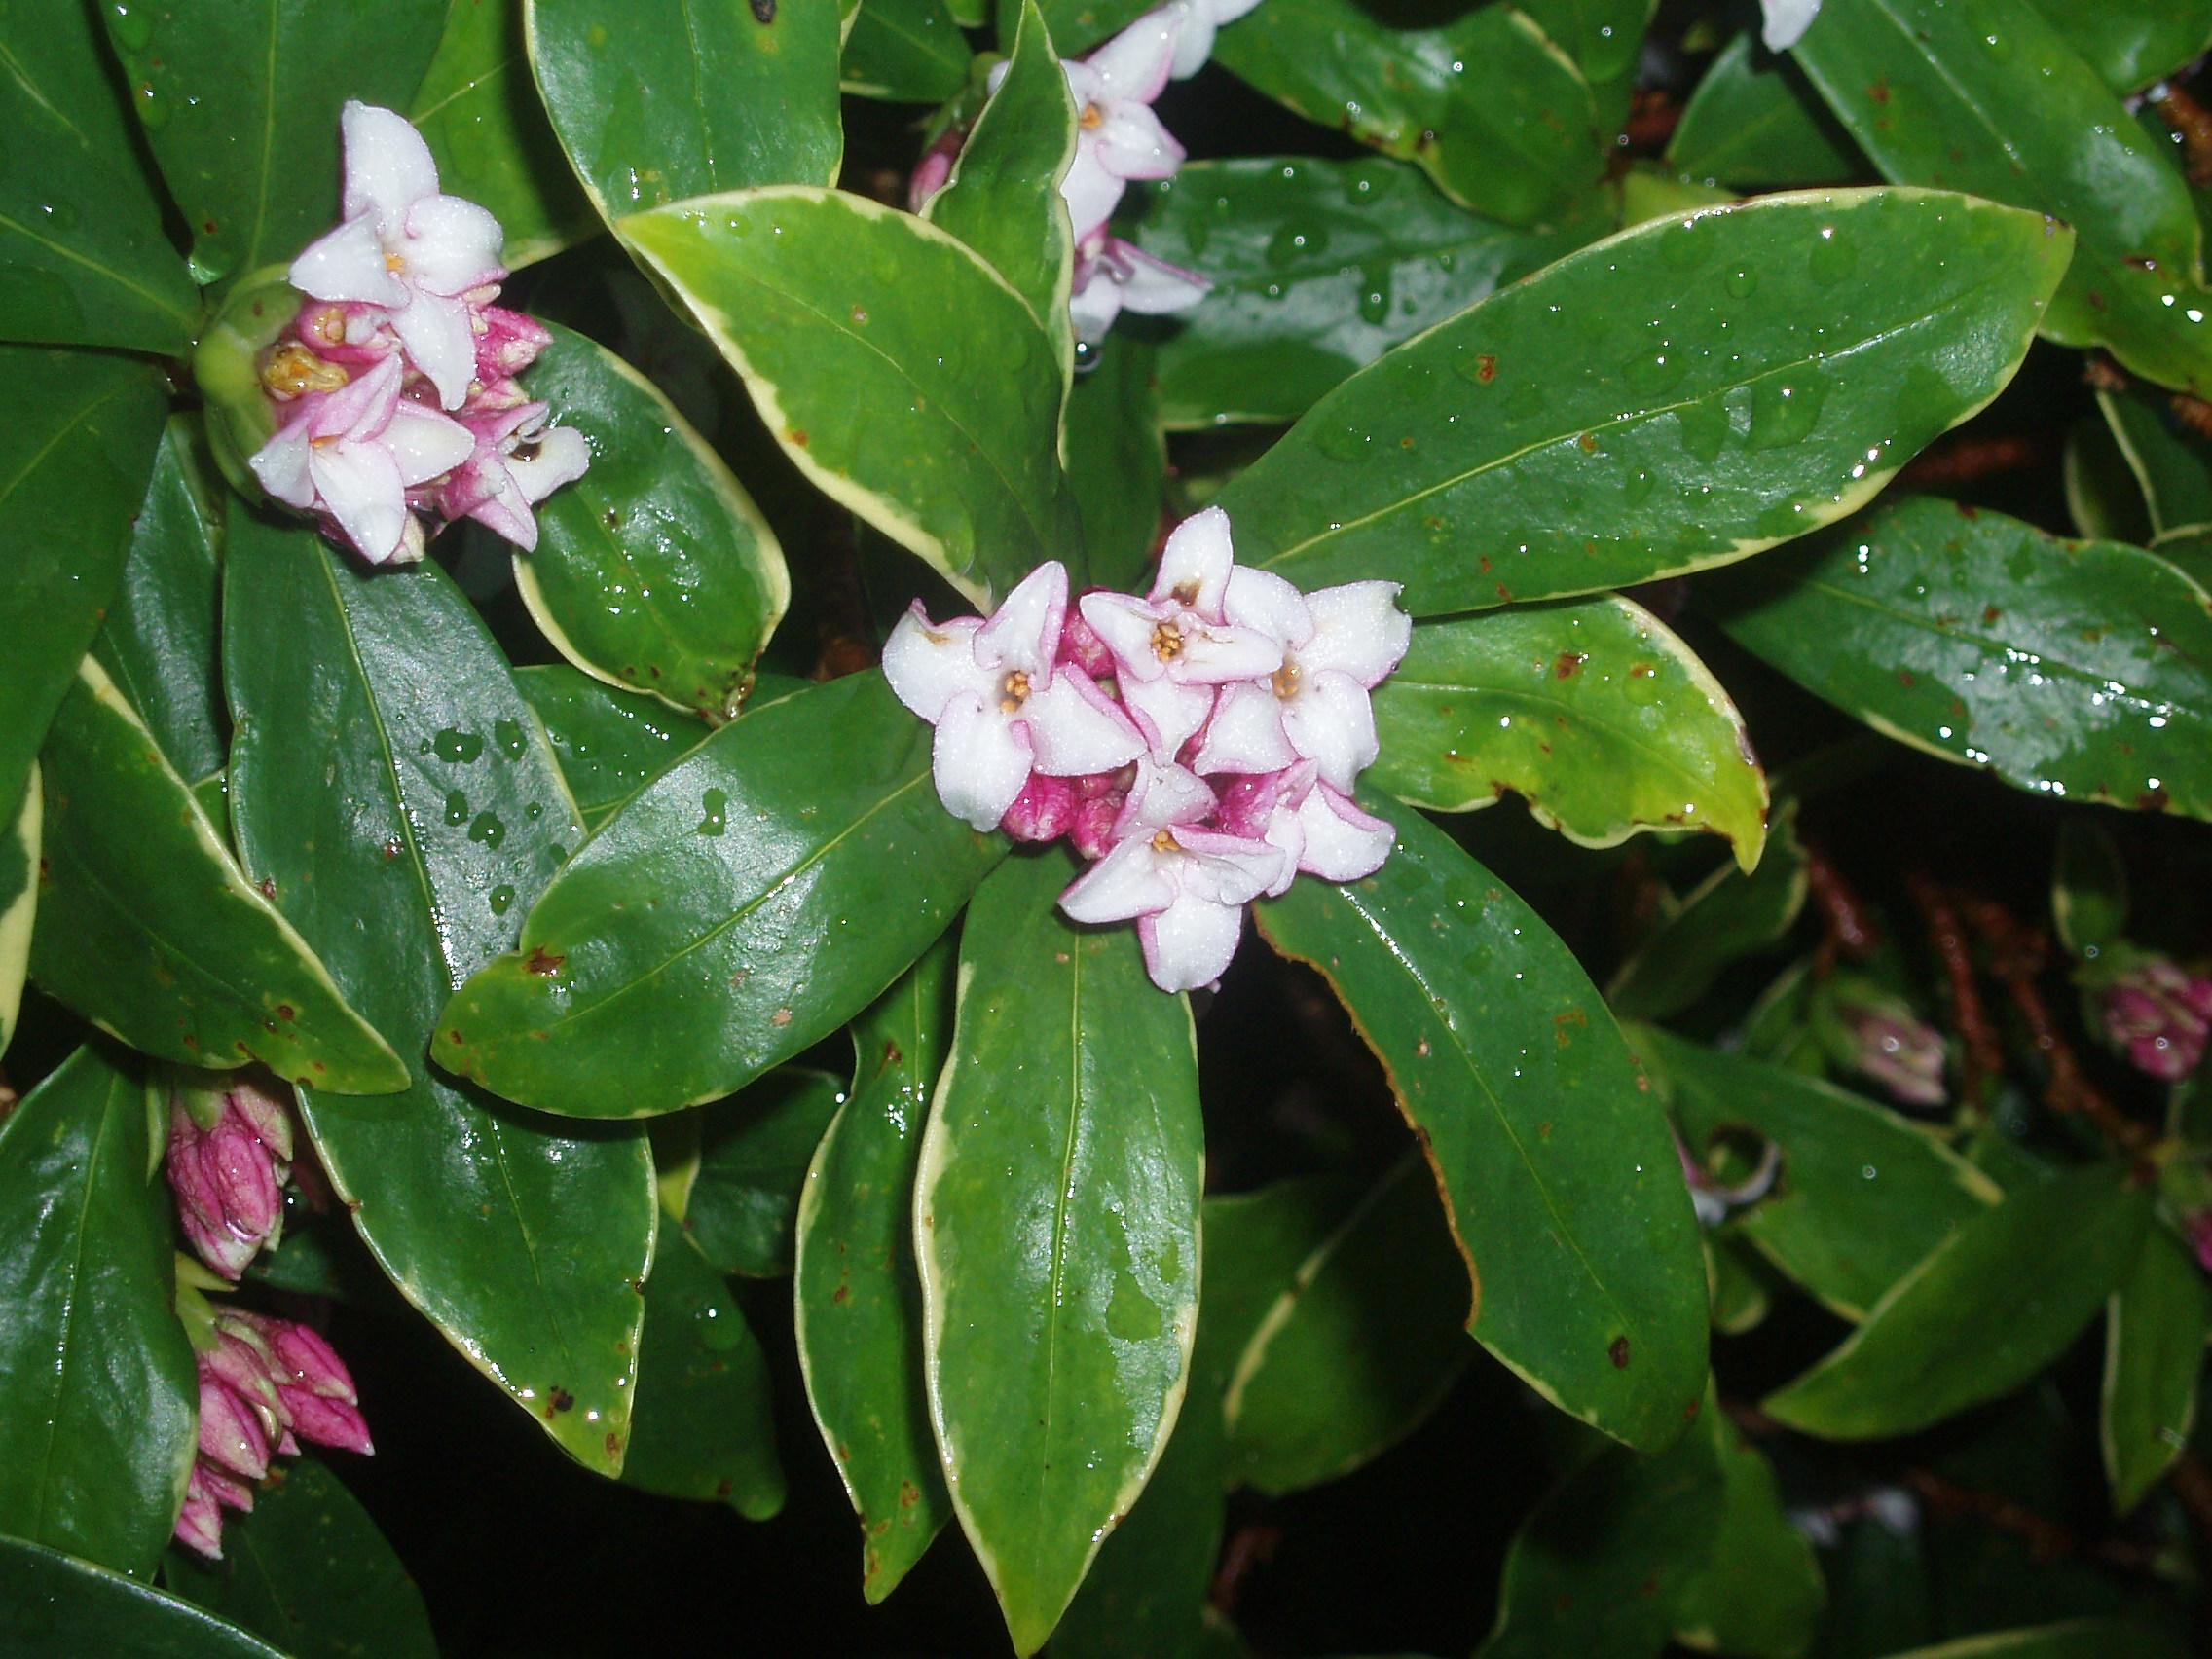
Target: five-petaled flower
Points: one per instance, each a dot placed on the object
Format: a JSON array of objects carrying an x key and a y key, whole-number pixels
[{"x": 1117, "y": 135}]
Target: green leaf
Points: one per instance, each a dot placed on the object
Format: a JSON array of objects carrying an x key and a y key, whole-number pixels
[
  {"x": 73, "y": 474},
  {"x": 654, "y": 570},
  {"x": 2132, "y": 43},
  {"x": 899, "y": 371},
  {"x": 51, "y": 1602},
  {"x": 1116, "y": 458},
  {"x": 308, "y": 1569},
  {"x": 657, "y": 100},
  {"x": 2028, "y": 122},
  {"x": 707, "y": 1428},
  {"x": 610, "y": 744},
  {"x": 153, "y": 933},
  {"x": 1604, "y": 36},
  {"x": 1077, "y": 25},
  {"x": 240, "y": 105},
  {"x": 907, "y": 50},
  {"x": 83, "y": 258},
  {"x": 2075, "y": 1639},
  {"x": 98, "y": 1396},
  {"x": 1754, "y": 121},
  {"x": 159, "y": 642},
  {"x": 384, "y": 767},
  {"x": 1993, "y": 1304},
  {"x": 2171, "y": 467},
  {"x": 1759, "y": 1594},
  {"x": 1864, "y": 1196},
  {"x": 2155, "y": 1328},
  {"x": 681, "y": 953},
  {"x": 1484, "y": 103},
  {"x": 1741, "y": 1288},
  {"x": 478, "y": 110},
  {"x": 754, "y": 1153},
  {"x": 1591, "y": 709},
  {"x": 18, "y": 903},
  {"x": 1003, "y": 197},
  {"x": 1720, "y": 383},
  {"x": 2088, "y": 889},
  {"x": 1317, "y": 267},
  {"x": 1558, "y": 1167},
  {"x": 1726, "y": 917},
  {"x": 1358, "y": 1348},
  {"x": 1056, "y": 1221},
  {"x": 857, "y": 1302},
  {"x": 2067, "y": 668}
]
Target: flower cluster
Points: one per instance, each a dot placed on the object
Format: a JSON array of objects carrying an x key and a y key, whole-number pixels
[
  {"x": 395, "y": 384},
  {"x": 1865, "y": 1029},
  {"x": 2159, "y": 1015},
  {"x": 1200, "y": 743},
  {"x": 264, "y": 1383},
  {"x": 1118, "y": 138}
]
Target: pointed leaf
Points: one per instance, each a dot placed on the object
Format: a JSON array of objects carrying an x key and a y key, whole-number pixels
[
  {"x": 1754, "y": 121},
  {"x": 1557, "y": 1165},
  {"x": 51, "y": 1602},
  {"x": 659, "y": 99},
  {"x": 1605, "y": 37},
  {"x": 240, "y": 105},
  {"x": 654, "y": 570},
  {"x": 2155, "y": 1328},
  {"x": 1759, "y": 1593},
  {"x": 1077, "y": 25},
  {"x": 1725, "y": 918},
  {"x": 907, "y": 50},
  {"x": 2170, "y": 464},
  {"x": 610, "y": 744},
  {"x": 1591, "y": 709},
  {"x": 98, "y": 1396},
  {"x": 856, "y": 1298},
  {"x": 902, "y": 374},
  {"x": 754, "y": 1149},
  {"x": 1994, "y": 1304},
  {"x": 1723, "y": 381},
  {"x": 2080, "y": 669},
  {"x": 1056, "y": 1225},
  {"x": 81, "y": 237},
  {"x": 384, "y": 767},
  {"x": 2132, "y": 43}
]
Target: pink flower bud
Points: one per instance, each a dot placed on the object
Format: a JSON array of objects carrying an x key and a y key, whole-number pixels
[
  {"x": 934, "y": 171},
  {"x": 231, "y": 1436},
  {"x": 1903, "y": 1055},
  {"x": 329, "y": 1422},
  {"x": 199, "y": 1526},
  {"x": 226, "y": 1180},
  {"x": 2161, "y": 1017},
  {"x": 1043, "y": 811},
  {"x": 315, "y": 1390},
  {"x": 1092, "y": 830},
  {"x": 1081, "y": 648},
  {"x": 507, "y": 341}
]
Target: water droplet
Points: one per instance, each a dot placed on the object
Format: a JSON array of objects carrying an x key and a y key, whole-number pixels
[
  {"x": 508, "y": 734},
  {"x": 502, "y": 896},
  {"x": 1637, "y": 486},
  {"x": 460, "y": 747},
  {"x": 132, "y": 29},
  {"x": 1833, "y": 258},
  {"x": 1291, "y": 243},
  {"x": 716, "y": 804},
  {"x": 1704, "y": 427},
  {"x": 487, "y": 829},
  {"x": 1650, "y": 373},
  {"x": 1346, "y": 443},
  {"x": 457, "y": 808},
  {"x": 1374, "y": 298},
  {"x": 1741, "y": 281},
  {"x": 1785, "y": 412}
]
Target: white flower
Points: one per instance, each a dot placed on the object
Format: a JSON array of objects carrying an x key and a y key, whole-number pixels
[
  {"x": 1787, "y": 22},
  {"x": 1196, "y": 22},
  {"x": 1117, "y": 136},
  {"x": 1112, "y": 276}
]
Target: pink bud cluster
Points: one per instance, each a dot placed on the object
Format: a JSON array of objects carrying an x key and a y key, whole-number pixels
[
  {"x": 396, "y": 386},
  {"x": 265, "y": 1385},
  {"x": 2159, "y": 1016},
  {"x": 1199, "y": 744},
  {"x": 228, "y": 1158}
]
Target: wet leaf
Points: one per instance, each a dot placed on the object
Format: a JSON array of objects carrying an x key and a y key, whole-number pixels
[
  {"x": 51, "y": 1602},
  {"x": 1754, "y": 121},
  {"x": 754, "y": 1153},
  {"x": 1725, "y": 918},
  {"x": 610, "y": 742},
  {"x": 2132, "y": 43},
  {"x": 19, "y": 903},
  {"x": 1117, "y": 460},
  {"x": 907, "y": 50},
  {"x": 2156, "y": 1327}
]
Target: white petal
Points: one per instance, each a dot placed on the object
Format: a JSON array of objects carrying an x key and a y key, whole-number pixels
[
  {"x": 1152, "y": 288},
  {"x": 1135, "y": 62},
  {"x": 1195, "y": 563},
  {"x": 1787, "y": 22},
  {"x": 348, "y": 264},
  {"x": 1191, "y": 943},
  {"x": 1168, "y": 714},
  {"x": 1094, "y": 304},
  {"x": 282, "y": 466},
  {"x": 1076, "y": 729},
  {"x": 1227, "y": 868},
  {"x": 1332, "y": 723},
  {"x": 1128, "y": 881},
  {"x": 452, "y": 247},
  {"x": 425, "y": 443},
  {"x": 979, "y": 761},
  {"x": 361, "y": 410},
  {"x": 931, "y": 663},
  {"x": 1215, "y": 656},
  {"x": 1341, "y": 842},
  {"x": 1133, "y": 144},
  {"x": 1091, "y": 191},
  {"x": 388, "y": 166},
  {"x": 1163, "y": 796},
  {"x": 1194, "y": 38},
  {"x": 1245, "y": 733},
  {"x": 1358, "y": 629},
  {"x": 1262, "y": 600},
  {"x": 1228, "y": 10},
  {"x": 359, "y": 485},
  {"x": 1125, "y": 625},
  {"x": 1024, "y": 632},
  {"x": 561, "y": 456},
  {"x": 435, "y": 331},
  {"x": 505, "y": 510}
]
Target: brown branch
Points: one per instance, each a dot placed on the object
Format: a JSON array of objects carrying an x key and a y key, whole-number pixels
[
  {"x": 1851, "y": 932},
  {"x": 1653, "y": 119},
  {"x": 2046, "y": 1540},
  {"x": 1251, "y": 1546},
  {"x": 1968, "y": 460},
  {"x": 1947, "y": 938},
  {"x": 2193, "y": 122}
]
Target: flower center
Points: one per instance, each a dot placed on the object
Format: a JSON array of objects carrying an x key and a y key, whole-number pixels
[
  {"x": 1091, "y": 119},
  {"x": 1184, "y": 593},
  {"x": 1166, "y": 641},
  {"x": 1014, "y": 691},
  {"x": 395, "y": 264},
  {"x": 1286, "y": 680},
  {"x": 1164, "y": 842},
  {"x": 293, "y": 369}
]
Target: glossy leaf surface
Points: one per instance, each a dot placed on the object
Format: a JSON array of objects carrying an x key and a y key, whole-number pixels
[
  {"x": 1056, "y": 1227},
  {"x": 610, "y": 742},
  {"x": 907, "y": 50},
  {"x": 857, "y": 1300},
  {"x": 1117, "y": 460},
  {"x": 1754, "y": 121},
  {"x": 1995, "y": 1304},
  {"x": 82, "y": 248},
  {"x": 897, "y": 369},
  {"x": 153, "y": 932},
  {"x": 654, "y": 570},
  {"x": 2156, "y": 1327},
  {"x": 754, "y": 1149},
  {"x": 681, "y": 953},
  {"x": 241, "y": 109},
  {"x": 2170, "y": 465},
  {"x": 2080, "y": 668},
  {"x": 1317, "y": 267},
  {"x": 2132, "y": 43},
  {"x": 1591, "y": 709},
  {"x": 1482, "y": 102},
  {"x": 1686, "y": 394},
  {"x": 439, "y": 810},
  {"x": 98, "y": 1397},
  {"x": 51, "y": 1602},
  {"x": 1564, "y": 1194},
  {"x": 757, "y": 104}
]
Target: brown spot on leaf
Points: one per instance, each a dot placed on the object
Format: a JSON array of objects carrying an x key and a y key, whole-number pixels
[
  {"x": 2152, "y": 801},
  {"x": 1989, "y": 614},
  {"x": 559, "y": 1400},
  {"x": 1485, "y": 368},
  {"x": 891, "y": 1054},
  {"x": 1906, "y": 679},
  {"x": 284, "y": 1010},
  {"x": 796, "y": 436},
  {"x": 268, "y": 887},
  {"x": 908, "y": 1494},
  {"x": 543, "y": 961},
  {"x": 1879, "y": 92},
  {"x": 780, "y": 1018},
  {"x": 1569, "y": 664},
  {"x": 1618, "y": 1353}
]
